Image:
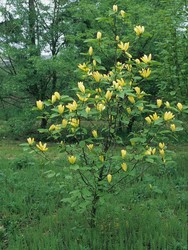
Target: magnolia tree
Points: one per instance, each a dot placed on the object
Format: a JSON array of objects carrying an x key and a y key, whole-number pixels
[{"x": 91, "y": 127}]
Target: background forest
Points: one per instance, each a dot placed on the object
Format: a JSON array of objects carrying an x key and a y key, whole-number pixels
[{"x": 41, "y": 45}]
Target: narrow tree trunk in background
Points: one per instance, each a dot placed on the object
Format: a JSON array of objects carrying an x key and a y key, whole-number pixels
[{"x": 32, "y": 21}]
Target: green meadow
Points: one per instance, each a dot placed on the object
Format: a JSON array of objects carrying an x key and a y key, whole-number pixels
[{"x": 149, "y": 213}]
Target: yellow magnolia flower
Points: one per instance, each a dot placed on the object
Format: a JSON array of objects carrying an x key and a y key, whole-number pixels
[
  {"x": 148, "y": 120},
  {"x": 87, "y": 109},
  {"x": 97, "y": 76},
  {"x": 154, "y": 117},
  {"x": 137, "y": 89},
  {"x": 52, "y": 127},
  {"x": 101, "y": 158},
  {"x": 72, "y": 159},
  {"x": 168, "y": 116},
  {"x": 94, "y": 133},
  {"x": 122, "y": 13},
  {"x": 159, "y": 103},
  {"x": 124, "y": 166},
  {"x": 109, "y": 178},
  {"x": 54, "y": 99},
  {"x": 90, "y": 146},
  {"x": 145, "y": 72},
  {"x": 167, "y": 104},
  {"x": 30, "y": 140},
  {"x": 61, "y": 108},
  {"x": 81, "y": 87},
  {"x": 123, "y": 153},
  {"x": 139, "y": 30},
  {"x": 179, "y": 106},
  {"x": 108, "y": 95},
  {"x": 115, "y": 8},
  {"x": 140, "y": 108},
  {"x": 161, "y": 145},
  {"x": 99, "y": 35},
  {"x": 150, "y": 151},
  {"x": 146, "y": 59},
  {"x": 64, "y": 123},
  {"x": 131, "y": 99},
  {"x": 100, "y": 107},
  {"x": 137, "y": 61},
  {"x": 173, "y": 127},
  {"x": 42, "y": 147},
  {"x": 128, "y": 110},
  {"x": 74, "y": 122},
  {"x": 83, "y": 67},
  {"x": 121, "y": 82},
  {"x": 58, "y": 96},
  {"x": 123, "y": 46},
  {"x": 162, "y": 152},
  {"x": 72, "y": 106},
  {"x": 128, "y": 67},
  {"x": 90, "y": 51},
  {"x": 40, "y": 104},
  {"x": 83, "y": 99}
]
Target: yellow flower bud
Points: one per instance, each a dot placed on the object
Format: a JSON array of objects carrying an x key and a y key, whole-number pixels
[
  {"x": 159, "y": 103},
  {"x": 173, "y": 127},
  {"x": 30, "y": 140},
  {"x": 101, "y": 158},
  {"x": 52, "y": 127},
  {"x": 40, "y": 104},
  {"x": 94, "y": 63},
  {"x": 179, "y": 106},
  {"x": 137, "y": 61},
  {"x": 162, "y": 152},
  {"x": 94, "y": 133},
  {"x": 54, "y": 99},
  {"x": 90, "y": 51},
  {"x": 108, "y": 95},
  {"x": 128, "y": 110},
  {"x": 58, "y": 97},
  {"x": 131, "y": 99},
  {"x": 64, "y": 123},
  {"x": 109, "y": 178},
  {"x": 122, "y": 13},
  {"x": 117, "y": 38},
  {"x": 81, "y": 87},
  {"x": 148, "y": 120},
  {"x": 61, "y": 108},
  {"x": 97, "y": 76},
  {"x": 87, "y": 109},
  {"x": 72, "y": 159},
  {"x": 115, "y": 8},
  {"x": 99, "y": 35},
  {"x": 161, "y": 145},
  {"x": 123, "y": 153},
  {"x": 90, "y": 146},
  {"x": 124, "y": 166}
]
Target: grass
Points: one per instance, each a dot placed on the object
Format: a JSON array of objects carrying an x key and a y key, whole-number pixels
[{"x": 147, "y": 214}]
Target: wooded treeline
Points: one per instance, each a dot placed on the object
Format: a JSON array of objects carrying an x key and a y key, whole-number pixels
[{"x": 41, "y": 46}]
